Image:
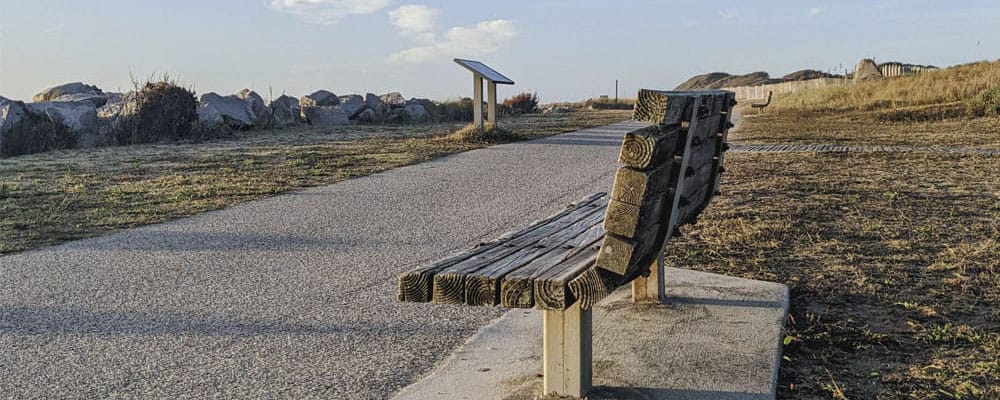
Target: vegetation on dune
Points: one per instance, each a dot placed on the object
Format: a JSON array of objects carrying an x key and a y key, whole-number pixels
[
  {"x": 953, "y": 86},
  {"x": 986, "y": 103}
]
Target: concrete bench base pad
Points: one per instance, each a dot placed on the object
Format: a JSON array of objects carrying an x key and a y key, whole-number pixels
[{"x": 717, "y": 337}]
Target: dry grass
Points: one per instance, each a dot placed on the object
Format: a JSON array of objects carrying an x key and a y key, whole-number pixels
[
  {"x": 956, "y": 84},
  {"x": 891, "y": 258},
  {"x": 918, "y": 110},
  {"x": 867, "y": 128},
  {"x": 53, "y": 197}
]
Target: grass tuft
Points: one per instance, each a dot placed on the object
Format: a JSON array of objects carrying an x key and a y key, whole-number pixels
[{"x": 488, "y": 134}]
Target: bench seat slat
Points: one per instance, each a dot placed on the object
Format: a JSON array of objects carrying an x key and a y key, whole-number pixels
[
  {"x": 416, "y": 285},
  {"x": 518, "y": 289},
  {"x": 552, "y": 287},
  {"x": 482, "y": 287},
  {"x": 449, "y": 283}
]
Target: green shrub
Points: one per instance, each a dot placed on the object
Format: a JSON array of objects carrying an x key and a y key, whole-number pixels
[
  {"x": 523, "y": 103},
  {"x": 164, "y": 111},
  {"x": 36, "y": 133},
  {"x": 986, "y": 103}
]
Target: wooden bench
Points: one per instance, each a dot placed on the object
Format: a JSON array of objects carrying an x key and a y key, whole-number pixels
[
  {"x": 566, "y": 263},
  {"x": 764, "y": 104}
]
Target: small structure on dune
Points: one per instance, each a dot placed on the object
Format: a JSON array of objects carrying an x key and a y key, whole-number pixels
[
  {"x": 480, "y": 72},
  {"x": 866, "y": 70}
]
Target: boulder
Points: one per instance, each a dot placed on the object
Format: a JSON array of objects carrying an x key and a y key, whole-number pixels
[
  {"x": 866, "y": 70},
  {"x": 118, "y": 105},
  {"x": 208, "y": 115},
  {"x": 231, "y": 110},
  {"x": 52, "y": 93},
  {"x": 99, "y": 100},
  {"x": 374, "y": 102},
  {"x": 320, "y": 98},
  {"x": 11, "y": 112},
  {"x": 285, "y": 111},
  {"x": 367, "y": 116},
  {"x": 262, "y": 115},
  {"x": 396, "y": 116},
  {"x": 393, "y": 100},
  {"x": 325, "y": 116},
  {"x": 415, "y": 112},
  {"x": 352, "y": 104},
  {"x": 79, "y": 117}
]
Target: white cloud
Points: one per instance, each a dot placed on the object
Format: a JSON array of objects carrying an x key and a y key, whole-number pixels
[
  {"x": 486, "y": 37},
  {"x": 728, "y": 14},
  {"x": 327, "y": 12},
  {"x": 414, "y": 19},
  {"x": 817, "y": 11}
]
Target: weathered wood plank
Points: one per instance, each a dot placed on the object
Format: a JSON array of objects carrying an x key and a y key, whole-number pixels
[
  {"x": 552, "y": 290},
  {"x": 416, "y": 285},
  {"x": 517, "y": 288},
  {"x": 449, "y": 284},
  {"x": 648, "y": 147},
  {"x": 482, "y": 287},
  {"x": 625, "y": 256},
  {"x": 594, "y": 284},
  {"x": 638, "y": 187},
  {"x": 661, "y": 107}
]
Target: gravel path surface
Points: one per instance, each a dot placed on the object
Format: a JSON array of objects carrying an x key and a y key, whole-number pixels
[{"x": 287, "y": 297}]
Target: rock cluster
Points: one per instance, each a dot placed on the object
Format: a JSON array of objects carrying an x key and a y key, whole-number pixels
[{"x": 91, "y": 114}]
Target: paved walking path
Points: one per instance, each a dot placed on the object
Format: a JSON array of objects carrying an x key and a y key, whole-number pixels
[
  {"x": 833, "y": 148},
  {"x": 292, "y": 296}
]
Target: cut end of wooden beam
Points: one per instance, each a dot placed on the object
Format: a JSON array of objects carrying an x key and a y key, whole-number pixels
[
  {"x": 414, "y": 287},
  {"x": 449, "y": 289},
  {"x": 659, "y": 107}
]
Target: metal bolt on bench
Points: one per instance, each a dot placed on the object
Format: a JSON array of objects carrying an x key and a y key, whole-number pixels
[{"x": 567, "y": 263}]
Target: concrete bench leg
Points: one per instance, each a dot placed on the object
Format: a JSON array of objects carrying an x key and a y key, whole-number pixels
[
  {"x": 566, "y": 353},
  {"x": 650, "y": 289}
]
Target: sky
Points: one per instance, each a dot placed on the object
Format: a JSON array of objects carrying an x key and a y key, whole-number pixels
[{"x": 564, "y": 50}]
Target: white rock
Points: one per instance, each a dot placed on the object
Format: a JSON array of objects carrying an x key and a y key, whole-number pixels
[
  {"x": 285, "y": 111},
  {"x": 319, "y": 98},
  {"x": 233, "y": 111},
  {"x": 393, "y": 100},
  {"x": 326, "y": 116},
  {"x": 118, "y": 105},
  {"x": 52, "y": 93},
  {"x": 80, "y": 117}
]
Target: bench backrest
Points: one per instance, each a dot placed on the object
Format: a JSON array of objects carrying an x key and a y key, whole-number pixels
[{"x": 670, "y": 172}]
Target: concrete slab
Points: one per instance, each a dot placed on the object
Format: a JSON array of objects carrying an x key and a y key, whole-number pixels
[{"x": 717, "y": 337}]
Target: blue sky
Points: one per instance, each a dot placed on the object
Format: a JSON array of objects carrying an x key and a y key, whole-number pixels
[{"x": 563, "y": 49}]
